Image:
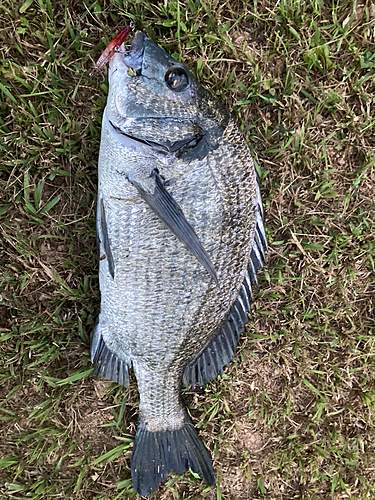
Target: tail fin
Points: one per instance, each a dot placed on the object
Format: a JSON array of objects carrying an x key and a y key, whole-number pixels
[{"x": 155, "y": 454}]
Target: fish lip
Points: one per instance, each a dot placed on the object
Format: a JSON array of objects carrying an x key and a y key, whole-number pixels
[
  {"x": 124, "y": 59},
  {"x": 134, "y": 58}
]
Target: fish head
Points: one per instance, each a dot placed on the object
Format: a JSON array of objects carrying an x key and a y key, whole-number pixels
[{"x": 146, "y": 83}]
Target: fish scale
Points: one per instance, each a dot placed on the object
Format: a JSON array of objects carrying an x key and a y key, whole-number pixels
[{"x": 181, "y": 240}]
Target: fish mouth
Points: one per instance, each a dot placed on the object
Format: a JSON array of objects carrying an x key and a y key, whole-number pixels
[{"x": 134, "y": 58}]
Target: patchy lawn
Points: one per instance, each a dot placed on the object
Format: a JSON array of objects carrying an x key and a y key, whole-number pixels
[{"x": 293, "y": 416}]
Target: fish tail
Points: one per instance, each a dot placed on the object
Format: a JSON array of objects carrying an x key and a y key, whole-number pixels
[{"x": 155, "y": 454}]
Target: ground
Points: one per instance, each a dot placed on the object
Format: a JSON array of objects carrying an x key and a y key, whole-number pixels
[{"x": 292, "y": 417}]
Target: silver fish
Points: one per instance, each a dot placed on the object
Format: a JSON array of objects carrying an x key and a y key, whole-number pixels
[{"x": 181, "y": 238}]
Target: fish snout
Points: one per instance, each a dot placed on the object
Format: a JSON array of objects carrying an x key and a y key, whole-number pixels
[{"x": 134, "y": 58}]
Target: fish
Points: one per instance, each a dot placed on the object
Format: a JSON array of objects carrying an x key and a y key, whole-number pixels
[{"x": 181, "y": 238}]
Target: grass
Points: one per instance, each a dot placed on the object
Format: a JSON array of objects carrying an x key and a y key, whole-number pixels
[{"x": 292, "y": 418}]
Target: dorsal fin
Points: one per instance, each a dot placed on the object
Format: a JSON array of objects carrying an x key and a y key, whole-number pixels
[{"x": 220, "y": 351}]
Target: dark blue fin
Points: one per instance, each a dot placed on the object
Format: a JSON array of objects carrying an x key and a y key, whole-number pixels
[
  {"x": 155, "y": 454},
  {"x": 106, "y": 363},
  {"x": 220, "y": 351},
  {"x": 169, "y": 211},
  {"x": 105, "y": 239}
]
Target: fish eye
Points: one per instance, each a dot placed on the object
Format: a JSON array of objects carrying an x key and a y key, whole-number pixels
[{"x": 177, "y": 79}]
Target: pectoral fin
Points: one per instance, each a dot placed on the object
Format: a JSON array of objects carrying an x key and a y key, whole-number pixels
[
  {"x": 105, "y": 238},
  {"x": 168, "y": 210}
]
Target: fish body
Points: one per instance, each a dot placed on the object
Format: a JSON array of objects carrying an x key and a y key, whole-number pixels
[{"x": 181, "y": 238}]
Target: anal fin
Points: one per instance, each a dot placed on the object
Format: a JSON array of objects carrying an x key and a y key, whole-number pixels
[{"x": 106, "y": 363}]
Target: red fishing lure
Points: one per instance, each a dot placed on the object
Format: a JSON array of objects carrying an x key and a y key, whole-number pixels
[{"x": 110, "y": 50}]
